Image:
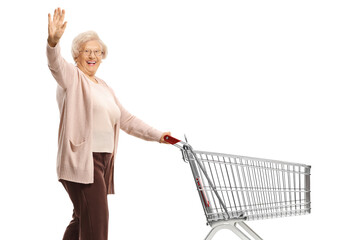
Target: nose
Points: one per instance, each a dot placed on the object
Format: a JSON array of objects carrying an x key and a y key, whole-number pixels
[{"x": 92, "y": 54}]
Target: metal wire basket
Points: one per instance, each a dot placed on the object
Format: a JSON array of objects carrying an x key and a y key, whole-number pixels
[{"x": 234, "y": 189}]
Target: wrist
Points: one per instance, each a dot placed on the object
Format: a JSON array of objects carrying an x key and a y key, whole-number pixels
[{"x": 52, "y": 42}]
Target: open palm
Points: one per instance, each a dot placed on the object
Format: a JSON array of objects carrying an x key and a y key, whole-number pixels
[{"x": 56, "y": 26}]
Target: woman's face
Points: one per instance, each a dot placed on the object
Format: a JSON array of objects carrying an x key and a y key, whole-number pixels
[{"x": 90, "y": 57}]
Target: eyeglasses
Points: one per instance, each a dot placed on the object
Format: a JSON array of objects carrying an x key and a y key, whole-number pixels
[{"x": 88, "y": 52}]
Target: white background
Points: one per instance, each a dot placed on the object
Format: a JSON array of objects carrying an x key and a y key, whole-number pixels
[{"x": 271, "y": 79}]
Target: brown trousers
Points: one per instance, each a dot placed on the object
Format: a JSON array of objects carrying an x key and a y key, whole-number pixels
[{"x": 90, "y": 217}]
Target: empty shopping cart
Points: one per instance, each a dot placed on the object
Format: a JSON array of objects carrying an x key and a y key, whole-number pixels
[{"x": 234, "y": 189}]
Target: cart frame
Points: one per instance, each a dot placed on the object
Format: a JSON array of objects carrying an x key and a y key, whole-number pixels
[{"x": 234, "y": 189}]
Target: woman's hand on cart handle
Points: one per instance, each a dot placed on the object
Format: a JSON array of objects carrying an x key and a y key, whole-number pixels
[
  {"x": 163, "y": 137},
  {"x": 56, "y": 26},
  {"x": 170, "y": 140}
]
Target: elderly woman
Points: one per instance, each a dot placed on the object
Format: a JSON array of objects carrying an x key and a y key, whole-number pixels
[{"x": 90, "y": 119}]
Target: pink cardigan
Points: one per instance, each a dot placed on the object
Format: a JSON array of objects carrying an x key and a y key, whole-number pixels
[{"x": 74, "y": 156}]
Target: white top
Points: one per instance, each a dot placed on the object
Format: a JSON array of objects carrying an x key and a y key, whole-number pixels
[{"x": 105, "y": 114}]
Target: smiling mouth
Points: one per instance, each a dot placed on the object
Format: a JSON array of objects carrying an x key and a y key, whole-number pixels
[{"x": 91, "y": 63}]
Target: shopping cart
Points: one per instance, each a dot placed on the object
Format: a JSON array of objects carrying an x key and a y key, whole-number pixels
[{"x": 234, "y": 189}]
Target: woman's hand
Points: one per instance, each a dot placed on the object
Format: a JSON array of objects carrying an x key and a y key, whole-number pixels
[
  {"x": 162, "y": 140},
  {"x": 56, "y": 26}
]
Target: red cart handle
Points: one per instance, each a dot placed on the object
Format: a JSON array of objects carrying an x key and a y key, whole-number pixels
[{"x": 171, "y": 139}]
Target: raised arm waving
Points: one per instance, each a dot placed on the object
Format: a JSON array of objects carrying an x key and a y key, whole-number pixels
[{"x": 56, "y": 26}]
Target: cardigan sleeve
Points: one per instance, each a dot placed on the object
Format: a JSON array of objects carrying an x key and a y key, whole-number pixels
[
  {"x": 62, "y": 71},
  {"x": 134, "y": 126}
]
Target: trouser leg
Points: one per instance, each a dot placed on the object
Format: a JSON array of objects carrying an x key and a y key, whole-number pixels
[
  {"x": 72, "y": 230},
  {"x": 91, "y": 214}
]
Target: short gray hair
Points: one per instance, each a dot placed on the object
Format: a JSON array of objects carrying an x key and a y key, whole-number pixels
[{"x": 84, "y": 37}]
